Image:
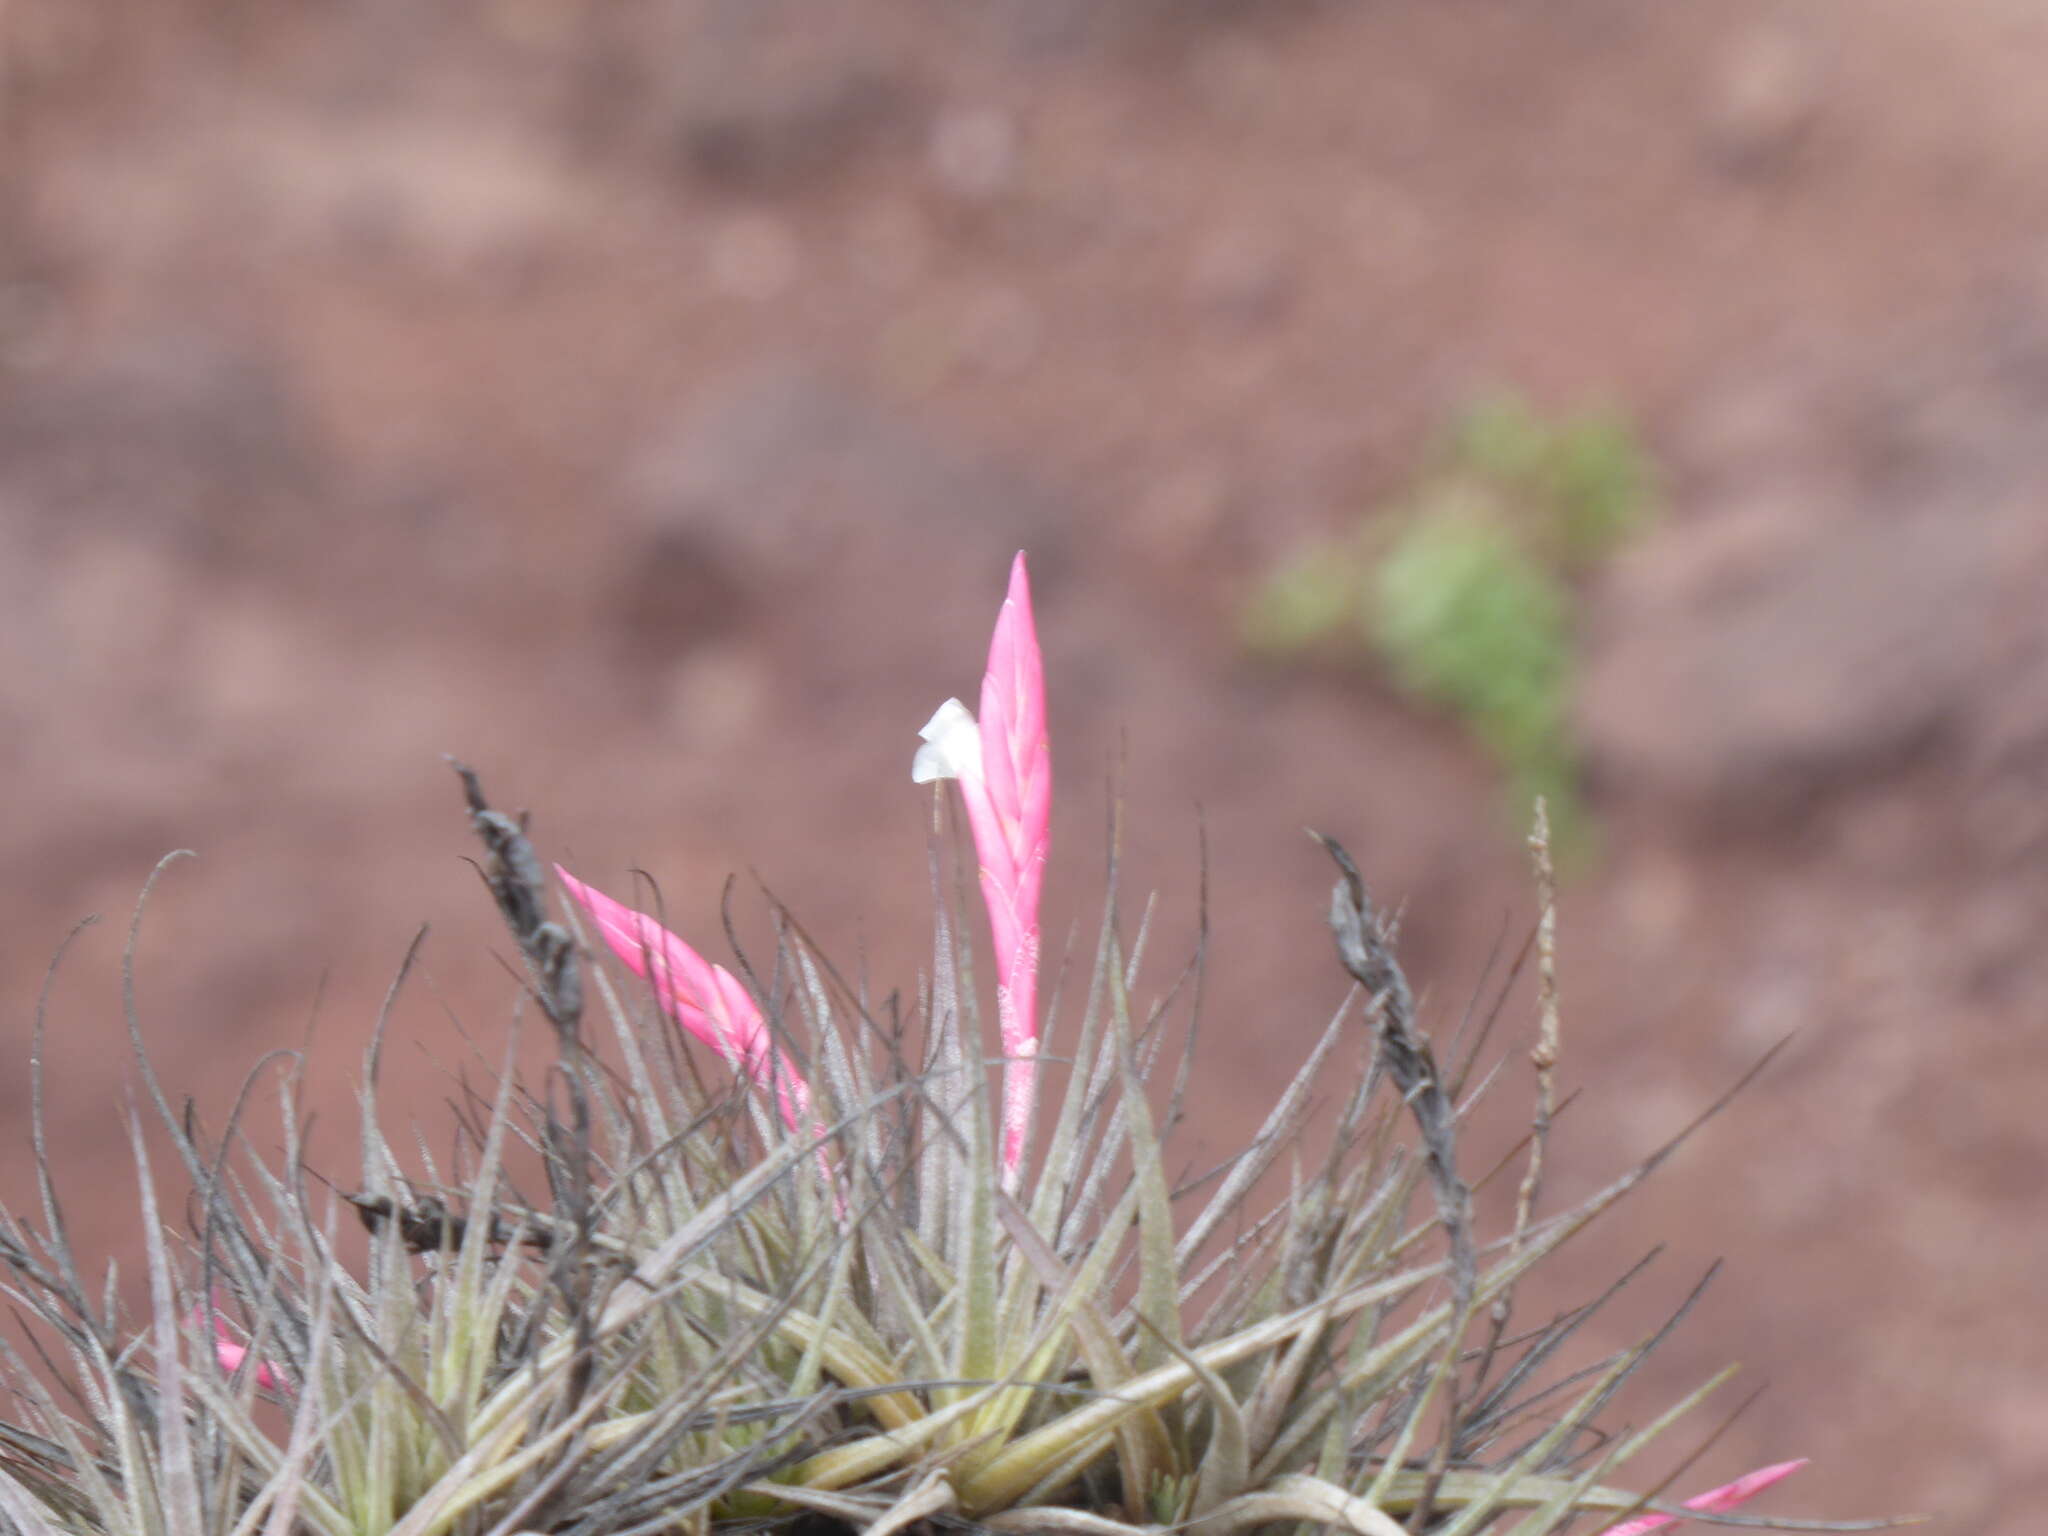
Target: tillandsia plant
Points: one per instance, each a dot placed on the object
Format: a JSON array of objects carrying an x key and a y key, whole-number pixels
[{"x": 849, "y": 1283}]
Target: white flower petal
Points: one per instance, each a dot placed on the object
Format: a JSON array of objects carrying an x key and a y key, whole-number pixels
[{"x": 952, "y": 746}]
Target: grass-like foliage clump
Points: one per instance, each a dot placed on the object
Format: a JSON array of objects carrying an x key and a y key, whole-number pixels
[
  {"x": 846, "y": 1281},
  {"x": 1463, "y": 587}
]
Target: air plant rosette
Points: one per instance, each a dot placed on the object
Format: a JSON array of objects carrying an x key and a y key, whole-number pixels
[{"x": 764, "y": 1250}]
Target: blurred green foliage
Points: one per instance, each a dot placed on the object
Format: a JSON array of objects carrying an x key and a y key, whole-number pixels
[
  {"x": 1463, "y": 587},
  {"x": 1583, "y": 484}
]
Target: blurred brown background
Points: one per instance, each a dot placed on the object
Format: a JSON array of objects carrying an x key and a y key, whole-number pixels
[{"x": 643, "y": 399}]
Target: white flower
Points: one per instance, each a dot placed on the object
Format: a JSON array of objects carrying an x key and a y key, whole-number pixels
[{"x": 952, "y": 746}]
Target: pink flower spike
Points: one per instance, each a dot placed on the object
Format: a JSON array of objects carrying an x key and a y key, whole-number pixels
[
  {"x": 1004, "y": 766},
  {"x": 706, "y": 999},
  {"x": 1714, "y": 1501}
]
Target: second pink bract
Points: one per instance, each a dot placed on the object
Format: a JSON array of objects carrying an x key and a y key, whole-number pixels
[{"x": 706, "y": 999}]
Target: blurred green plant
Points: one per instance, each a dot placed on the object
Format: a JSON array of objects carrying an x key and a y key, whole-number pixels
[
  {"x": 1464, "y": 587},
  {"x": 1584, "y": 484}
]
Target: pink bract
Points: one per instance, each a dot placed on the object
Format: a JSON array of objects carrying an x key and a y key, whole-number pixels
[
  {"x": 1714, "y": 1501},
  {"x": 706, "y": 999},
  {"x": 1005, "y": 774}
]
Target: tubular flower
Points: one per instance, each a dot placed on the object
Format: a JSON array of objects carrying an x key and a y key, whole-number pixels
[
  {"x": 1714, "y": 1501},
  {"x": 704, "y": 998},
  {"x": 1004, "y": 768}
]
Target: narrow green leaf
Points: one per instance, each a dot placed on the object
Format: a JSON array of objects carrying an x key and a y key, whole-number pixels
[{"x": 1158, "y": 1276}]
